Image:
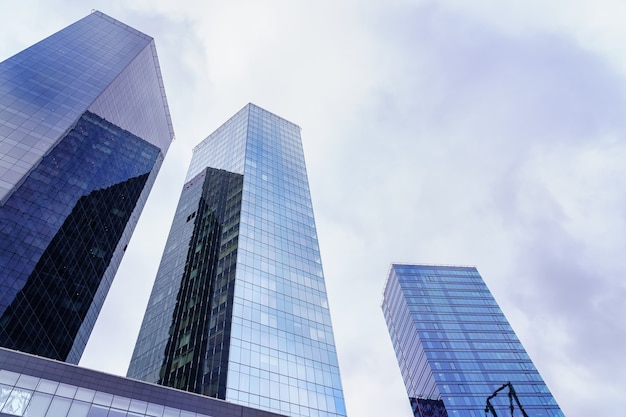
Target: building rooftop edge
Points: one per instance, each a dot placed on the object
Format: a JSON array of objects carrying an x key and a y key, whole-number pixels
[
  {"x": 420, "y": 264},
  {"x": 244, "y": 108},
  {"x": 120, "y": 23},
  {"x": 393, "y": 264}
]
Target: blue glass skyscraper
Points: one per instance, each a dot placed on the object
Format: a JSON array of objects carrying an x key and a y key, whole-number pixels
[
  {"x": 239, "y": 308},
  {"x": 84, "y": 128},
  {"x": 454, "y": 346}
]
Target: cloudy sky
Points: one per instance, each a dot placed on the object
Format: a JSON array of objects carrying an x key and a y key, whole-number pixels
[{"x": 479, "y": 132}]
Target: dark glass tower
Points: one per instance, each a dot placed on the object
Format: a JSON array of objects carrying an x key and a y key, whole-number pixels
[
  {"x": 84, "y": 127},
  {"x": 455, "y": 348},
  {"x": 239, "y": 308}
]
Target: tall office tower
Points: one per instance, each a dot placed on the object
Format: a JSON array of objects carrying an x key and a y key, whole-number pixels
[
  {"x": 455, "y": 348},
  {"x": 84, "y": 127},
  {"x": 239, "y": 308}
]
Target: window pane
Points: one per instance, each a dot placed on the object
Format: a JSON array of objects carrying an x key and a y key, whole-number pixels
[
  {"x": 59, "y": 407},
  {"x": 66, "y": 390},
  {"x": 79, "y": 409},
  {"x": 28, "y": 382},
  {"x": 8, "y": 377},
  {"x": 103, "y": 398},
  {"x": 5, "y": 391},
  {"x": 154, "y": 410},
  {"x": 47, "y": 386},
  {"x": 116, "y": 413},
  {"x": 171, "y": 412},
  {"x": 98, "y": 411},
  {"x": 120, "y": 402},
  {"x": 38, "y": 405},
  {"x": 85, "y": 394},
  {"x": 17, "y": 402}
]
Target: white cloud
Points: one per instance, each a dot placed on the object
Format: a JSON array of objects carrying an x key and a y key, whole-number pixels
[{"x": 482, "y": 133}]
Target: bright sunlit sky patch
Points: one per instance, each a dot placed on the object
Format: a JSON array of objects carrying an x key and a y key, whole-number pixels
[{"x": 479, "y": 132}]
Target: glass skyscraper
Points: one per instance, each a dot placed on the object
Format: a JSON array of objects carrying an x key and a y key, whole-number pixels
[
  {"x": 239, "y": 308},
  {"x": 84, "y": 127},
  {"x": 455, "y": 348}
]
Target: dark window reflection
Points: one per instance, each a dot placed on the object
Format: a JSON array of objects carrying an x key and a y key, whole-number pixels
[
  {"x": 60, "y": 230},
  {"x": 196, "y": 358}
]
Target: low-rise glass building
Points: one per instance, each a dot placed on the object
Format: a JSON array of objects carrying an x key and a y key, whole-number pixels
[{"x": 32, "y": 386}]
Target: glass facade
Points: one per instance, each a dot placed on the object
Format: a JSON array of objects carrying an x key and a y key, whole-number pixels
[
  {"x": 455, "y": 347},
  {"x": 84, "y": 127},
  {"x": 32, "y": 386},
  {"x": 239, "y": 308}
]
